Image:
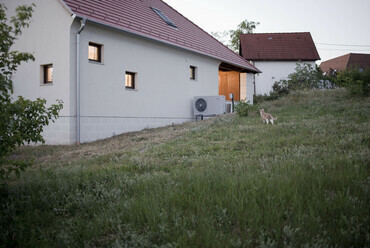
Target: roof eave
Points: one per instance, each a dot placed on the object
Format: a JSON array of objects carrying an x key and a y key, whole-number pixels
[
  {"x": 253, "y": 70},
  {"x": 65, "y": 6}
]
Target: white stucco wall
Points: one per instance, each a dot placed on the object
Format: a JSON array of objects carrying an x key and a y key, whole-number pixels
[
  {"x": 273, "y": 71},
  {"x": 164, "y": 91},
  {"x": 243, "y": 86},
  {"x": 48, "y": 39},
  {"x": 250, "y": 88},
  {"x": 246, "y": 87}
]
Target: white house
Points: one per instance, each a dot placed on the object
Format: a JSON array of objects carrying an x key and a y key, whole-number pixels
[
  {"x": 276, "y": 55},
  {"x": 119, "y": 66}
]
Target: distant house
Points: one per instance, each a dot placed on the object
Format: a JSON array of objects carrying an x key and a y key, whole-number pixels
[
  {"x": 120, "y": 66},
  {"x": 276, "y": 55},
  {"x": 331, "y": 66}
]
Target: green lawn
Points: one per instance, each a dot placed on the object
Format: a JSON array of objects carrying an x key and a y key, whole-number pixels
[{"x": 224, "y": 182}]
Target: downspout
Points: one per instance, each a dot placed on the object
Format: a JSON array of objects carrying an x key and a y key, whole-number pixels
[{"x": 78, "y": 115}]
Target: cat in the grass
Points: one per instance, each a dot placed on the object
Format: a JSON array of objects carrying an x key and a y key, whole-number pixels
[{"x": 266, "y": 117}]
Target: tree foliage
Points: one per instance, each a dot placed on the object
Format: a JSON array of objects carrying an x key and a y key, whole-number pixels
[
  {"x": 243, "y": 107},
  {"x": 21, "y": 120},
  {"x": 305, "y": 77},
  {"x": 356, "y": 81},
  {"x": 245, "y": 27},
  {"x": 230, "y": 38}
]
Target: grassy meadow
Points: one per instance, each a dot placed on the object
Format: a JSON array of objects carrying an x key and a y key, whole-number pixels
[{"x": 225, "y": 182}]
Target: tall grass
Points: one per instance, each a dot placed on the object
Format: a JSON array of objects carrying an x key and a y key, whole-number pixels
[{"x": 234, "y": 182}]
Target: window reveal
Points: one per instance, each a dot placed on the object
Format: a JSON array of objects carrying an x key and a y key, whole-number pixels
[
  {"x": 193, "y": 72},
  {"x": 130, "y": 80},
  {"x": 48, "y": 74},
  {"x": 95, "y": 52}
]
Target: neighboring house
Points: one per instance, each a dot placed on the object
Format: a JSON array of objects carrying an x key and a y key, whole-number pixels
[
  {"x": 331, "y": 66},
  {"x": 119, "y": 66},
  {"x": 276, "y": 55}
]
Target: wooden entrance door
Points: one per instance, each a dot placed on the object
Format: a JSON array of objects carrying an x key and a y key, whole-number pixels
[{"x": 229, "y": 82}]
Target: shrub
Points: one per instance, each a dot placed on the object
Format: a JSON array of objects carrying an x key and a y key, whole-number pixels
[
  {"x": 21, "y": 120},
  {"x": 358, "y": 83},
  {"x": 243, "y": 107},
  {"x": 305, "y": 77},
  {"x": 279, "y": 89},
  {"x": 260, "y": 98}
]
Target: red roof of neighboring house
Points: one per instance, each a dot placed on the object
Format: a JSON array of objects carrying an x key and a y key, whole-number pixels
[
  {"x": 346, "y": 61},
  {"x": 278, "y": 46},
  {"x": 137, "y": 17}
]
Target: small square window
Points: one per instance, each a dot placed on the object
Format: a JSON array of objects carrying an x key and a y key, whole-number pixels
[
  {"x": 130, "y": 80},
  {"x": 193, "y": 72},
  {"x": 95, "y": 52},
  {"x": 47, "y": 74}
]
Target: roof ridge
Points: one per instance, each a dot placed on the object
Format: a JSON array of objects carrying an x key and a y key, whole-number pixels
[
  {"x": 329, "y": 60},
  {"x": 348, "y": 58}
]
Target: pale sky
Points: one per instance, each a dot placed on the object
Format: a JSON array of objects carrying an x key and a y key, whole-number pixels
[{"x": 344, "y": 22}]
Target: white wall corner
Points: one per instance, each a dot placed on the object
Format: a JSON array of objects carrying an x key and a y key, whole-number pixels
[{"x": 250, "y": 88}]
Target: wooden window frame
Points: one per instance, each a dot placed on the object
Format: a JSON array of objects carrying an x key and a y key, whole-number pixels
[
  {"x": 133, "y": 76},
  {"x": 99, "y": 51}
]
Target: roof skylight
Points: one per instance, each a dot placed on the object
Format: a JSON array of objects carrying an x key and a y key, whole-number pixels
[{"x": 164, "y": 17}]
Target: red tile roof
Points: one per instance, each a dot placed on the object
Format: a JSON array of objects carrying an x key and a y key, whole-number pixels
[
  {"x": 137, "y": 17},
  {"x": 346, "y": 61},
  {"x": 278, "y": 46}
]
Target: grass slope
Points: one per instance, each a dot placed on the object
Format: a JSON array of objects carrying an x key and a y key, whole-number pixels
[{"x": 225, "y": 182}]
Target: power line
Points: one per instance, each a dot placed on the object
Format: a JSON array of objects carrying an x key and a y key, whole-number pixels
[{"x": 331, "y": 44}]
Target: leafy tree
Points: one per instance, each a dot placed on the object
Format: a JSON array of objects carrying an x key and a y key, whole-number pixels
[
  {"x": 231, "y": 37},
  {"x": 223, "y": 37},
  {"x": 356, "y": 81},
  {"x": 21, "y": 120},
  {"x": 305, "y": 77},
  {"x": 245, "y": 27}
]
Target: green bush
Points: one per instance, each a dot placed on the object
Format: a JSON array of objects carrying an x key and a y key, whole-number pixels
[
  {"x": 21, "y": 120},
  {"x": 358, "y": 83},
  {"x": 243, "y": 107},
  {"x": 305, "y": 77},
  {"x": 260, "y": 98}
]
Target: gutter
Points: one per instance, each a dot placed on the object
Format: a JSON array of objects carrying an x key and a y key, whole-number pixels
[{"x": 78, "y": 114}]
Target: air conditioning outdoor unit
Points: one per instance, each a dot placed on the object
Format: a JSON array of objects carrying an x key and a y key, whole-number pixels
[
  {"x": 228, "y": 107},
  {"x": 209, "y": 105}
]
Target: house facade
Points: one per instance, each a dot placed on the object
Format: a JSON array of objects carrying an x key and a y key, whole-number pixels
[
  {"x": 276, "y": 55},
  {"x": 332, "y": 66},
  {"x": 118, "y": 66}
]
